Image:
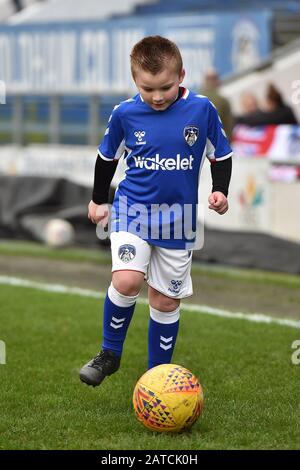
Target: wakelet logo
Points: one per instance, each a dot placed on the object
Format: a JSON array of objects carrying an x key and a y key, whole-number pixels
[
  {"x": 156, "y": 163},
  {"x": 140, "y": 137}
]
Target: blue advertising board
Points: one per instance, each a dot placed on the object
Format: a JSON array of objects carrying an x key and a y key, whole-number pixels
[{"x": 94, "y": 56}]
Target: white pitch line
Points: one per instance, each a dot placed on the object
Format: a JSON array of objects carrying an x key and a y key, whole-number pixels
[{"x": 205, "y": 309}]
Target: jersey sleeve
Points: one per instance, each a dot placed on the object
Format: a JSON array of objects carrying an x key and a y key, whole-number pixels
[
  {"x": 113, "y": 143},
  {"x": 217, "y": 145}
]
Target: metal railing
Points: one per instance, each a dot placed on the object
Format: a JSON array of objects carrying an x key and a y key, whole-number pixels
[{"x": 55, "y": 119}]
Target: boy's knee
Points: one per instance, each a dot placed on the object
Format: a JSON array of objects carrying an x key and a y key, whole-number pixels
[
  {"x": 127, "y": 282},
  {"x": 162, "y": 302},
  {"x": 166, "y": 304}
]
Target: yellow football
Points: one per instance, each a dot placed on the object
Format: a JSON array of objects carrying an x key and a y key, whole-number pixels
[{"x": 168, "y": 398}]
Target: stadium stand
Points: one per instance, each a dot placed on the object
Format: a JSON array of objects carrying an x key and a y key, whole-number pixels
[
  {"x": 8, "y": 8},
  {"x": 75, "y": 10},
  {"x": 286, "y": 15},
  {"x": 283, "y": 64},
  {"x": 215, "y": 5},
  {"x": 74, "y": 112}
]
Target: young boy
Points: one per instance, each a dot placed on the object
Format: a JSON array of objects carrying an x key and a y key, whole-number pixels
[{"x": 166, "y": 132}]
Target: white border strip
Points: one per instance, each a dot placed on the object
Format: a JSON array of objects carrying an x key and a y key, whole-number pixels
[{"x": 204, "y": 309}]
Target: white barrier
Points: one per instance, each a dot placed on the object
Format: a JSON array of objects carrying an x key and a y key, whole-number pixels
[
  {"x": 71, "y": 162},
  {"x": 249, "y": 197},
  {"x": 74, "y": 163}
]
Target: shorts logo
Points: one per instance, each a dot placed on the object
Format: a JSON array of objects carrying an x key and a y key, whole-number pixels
[
  {"x": 175, "y": 286},
  {"x": 191, "y": 134},
  {"x": 126, "y": 253}
]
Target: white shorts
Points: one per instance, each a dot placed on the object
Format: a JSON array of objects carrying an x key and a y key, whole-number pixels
[{"x": 166, "y": 270}]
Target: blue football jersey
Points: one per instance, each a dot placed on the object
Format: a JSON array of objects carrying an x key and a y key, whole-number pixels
[{"x": 164, "y": 153}]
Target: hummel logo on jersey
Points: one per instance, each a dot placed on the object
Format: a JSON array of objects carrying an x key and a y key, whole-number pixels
[
  {"x": 156, "y": 163},
  {"x": 140, "y": 136}
]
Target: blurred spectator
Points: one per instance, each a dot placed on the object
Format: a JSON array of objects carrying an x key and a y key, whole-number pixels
[
  {"x": 18, "y": 5},
  {"x": 211, "y": 90},
  {"x": 251, "y": 114},
  {"x": 249, "y": 103},
  {"x": 275, "y": 111}
]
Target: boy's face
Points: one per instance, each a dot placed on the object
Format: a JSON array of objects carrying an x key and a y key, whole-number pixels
[{"x": 160, "y": 90}]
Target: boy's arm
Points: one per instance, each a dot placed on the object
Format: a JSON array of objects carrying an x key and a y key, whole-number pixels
[
  {"x": 104, "y": 173},
  {"x": 219, "y": 153},
  {"x": 221, "y": 174},
  {"x": 109, "y": 152}
]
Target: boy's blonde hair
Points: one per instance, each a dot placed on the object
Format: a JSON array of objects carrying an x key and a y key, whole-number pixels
[{"x": 152, "y": 54}]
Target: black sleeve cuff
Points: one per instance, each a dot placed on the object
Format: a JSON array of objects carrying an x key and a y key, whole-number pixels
[
  {"x": 221, "y": 174},
  {"x": 104, "y": 173}
]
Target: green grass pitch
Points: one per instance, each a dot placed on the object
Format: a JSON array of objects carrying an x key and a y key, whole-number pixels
[{"x": 251, "y": 387}]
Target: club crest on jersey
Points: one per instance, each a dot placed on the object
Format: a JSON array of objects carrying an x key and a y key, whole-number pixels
[
  {"x": 191, "y": 134},
  {"x": 126, "y": 253}
]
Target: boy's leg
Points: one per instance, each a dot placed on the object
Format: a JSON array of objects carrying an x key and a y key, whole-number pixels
[
  {"x": 163, "y": 328},
  {"x": 118, "y": 310},
  {"x": 169, "y": 280},
  {"x": 130, "y": 256}
]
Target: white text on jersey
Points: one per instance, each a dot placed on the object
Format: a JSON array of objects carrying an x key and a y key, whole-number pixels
[{"x": 156, "y": 163}]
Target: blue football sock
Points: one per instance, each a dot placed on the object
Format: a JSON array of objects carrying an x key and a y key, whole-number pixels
[
  {"x": 162, "y": 334},
  {"x": 118, "y": 311}
]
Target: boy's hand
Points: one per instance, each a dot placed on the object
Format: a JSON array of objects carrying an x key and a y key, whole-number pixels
[
  {"x": 218, "y": 202},
  {"x": 98, "y": 213}
]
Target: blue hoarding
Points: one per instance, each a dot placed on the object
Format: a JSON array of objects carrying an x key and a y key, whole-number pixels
[{"x": 94, "y": 57}]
